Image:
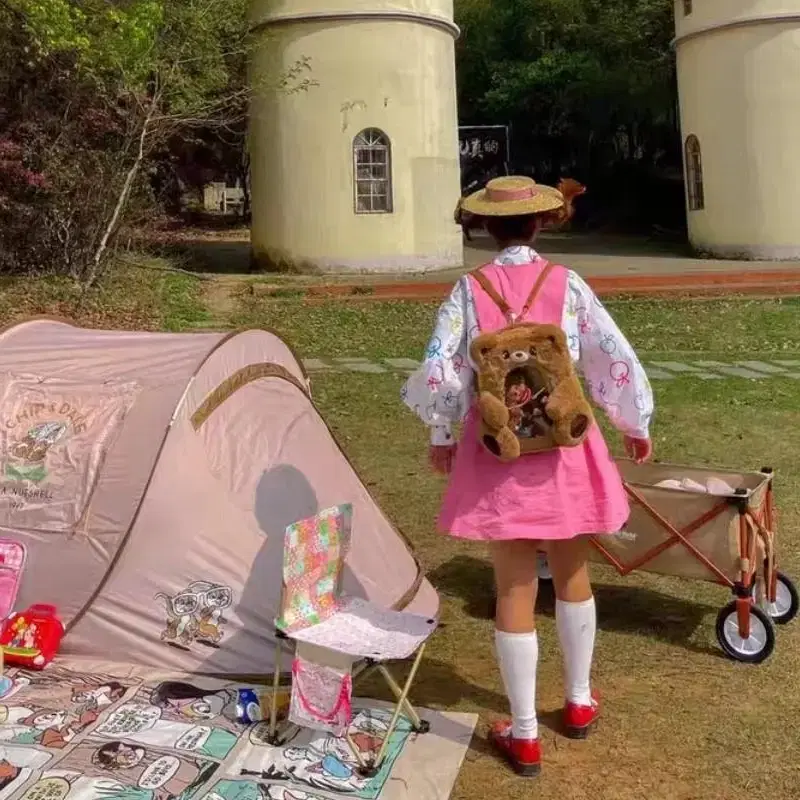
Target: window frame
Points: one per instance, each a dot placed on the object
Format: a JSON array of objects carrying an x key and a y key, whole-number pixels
[
  {"x": 695, "y": 185},
  {"x": 373, "y": 141},
  {"x": 687, "y": 7}
]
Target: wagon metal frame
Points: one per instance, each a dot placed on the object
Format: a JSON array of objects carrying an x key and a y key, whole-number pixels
[
  {"x": 756, "y": 558},
  {"x": 763, "y": 597}
]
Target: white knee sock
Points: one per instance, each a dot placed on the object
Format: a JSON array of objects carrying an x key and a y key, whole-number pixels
[
  {"x": 576, "y": 624},
  {"x": 518, "y": 654}
]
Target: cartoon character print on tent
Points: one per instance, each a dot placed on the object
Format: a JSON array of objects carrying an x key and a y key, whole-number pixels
[{"x": 195, "y": 614}]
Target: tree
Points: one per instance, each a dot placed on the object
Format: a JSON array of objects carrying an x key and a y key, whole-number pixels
[
  {"x": 588, "y": 86},
  {"x": 140, "y": 73}
]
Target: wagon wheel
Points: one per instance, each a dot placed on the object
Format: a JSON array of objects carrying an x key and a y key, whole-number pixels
[
  {"x": 786, "y": 604},
  {"x": 757, "y": 647}
]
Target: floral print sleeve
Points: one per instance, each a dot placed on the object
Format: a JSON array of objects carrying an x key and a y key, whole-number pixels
[
  {"x": 440, "y": 391},
  {"x": 614, "y": 376}
]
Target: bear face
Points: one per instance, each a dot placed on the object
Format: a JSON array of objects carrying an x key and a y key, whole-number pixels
[{"x": 518, "y": 346}]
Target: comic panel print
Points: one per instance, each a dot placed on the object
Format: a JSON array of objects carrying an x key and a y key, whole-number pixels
[
  {"x": 195, "y": 614},
  {"x": 315, "y": 760},
  {"x": 250, "y": 790},
  {"x": 51, "y": 708},
  {"x": 197, "y": 702},
  {"x": 114, "y": 770},
  {"x": 182, "y": 729},
  {"x": 17, "y": 766}
]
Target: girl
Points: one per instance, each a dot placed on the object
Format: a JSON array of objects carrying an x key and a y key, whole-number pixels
[{"x": 556, "y": 497}]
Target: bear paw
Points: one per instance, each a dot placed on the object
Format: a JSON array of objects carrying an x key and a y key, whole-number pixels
[{"x": 503, "y": 444}]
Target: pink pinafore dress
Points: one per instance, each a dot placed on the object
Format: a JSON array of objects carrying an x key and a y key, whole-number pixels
[{"x": 557, "y": 494}]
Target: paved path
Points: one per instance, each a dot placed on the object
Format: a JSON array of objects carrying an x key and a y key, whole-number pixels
[
  {"x": 613, "y": 265},
  {"x": 759, "y": 369}
]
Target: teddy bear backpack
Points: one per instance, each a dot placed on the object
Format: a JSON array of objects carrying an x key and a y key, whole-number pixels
[{"x": 529, "y": 397}]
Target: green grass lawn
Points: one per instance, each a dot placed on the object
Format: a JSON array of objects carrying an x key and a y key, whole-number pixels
[
  {"x": 378, "y": 329},
  {"x": 681, "y": 722},
  {"x": 128, "y": 297}
]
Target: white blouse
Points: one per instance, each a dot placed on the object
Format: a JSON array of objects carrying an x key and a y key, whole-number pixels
[{"x": 441, "y": 390}]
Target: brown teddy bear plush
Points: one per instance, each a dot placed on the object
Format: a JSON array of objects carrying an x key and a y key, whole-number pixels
[{"x": 529, "y": 397}]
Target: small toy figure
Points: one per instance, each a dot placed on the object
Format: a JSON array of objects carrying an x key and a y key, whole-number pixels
[
  {"x": 527, "y": 417},
  {"x": 18, "y": 632},
  {"x": 518, "y": 395},
  {"x": 31, "y": 639}
]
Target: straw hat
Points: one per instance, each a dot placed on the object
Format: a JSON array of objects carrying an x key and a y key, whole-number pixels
[{"x": 512, "y": 196}]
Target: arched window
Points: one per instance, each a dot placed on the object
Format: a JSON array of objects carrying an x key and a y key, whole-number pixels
[
  {"x": 687, "y": 7},
  {"x": 694, "y": 174},
  {"x": 372, "y": 170}
]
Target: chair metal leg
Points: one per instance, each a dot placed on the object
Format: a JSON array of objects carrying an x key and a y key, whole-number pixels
[
  {"x": 402, "y": 703},
  {"x": 276, "y": 682},
  {"x": 397, "y": 691}
]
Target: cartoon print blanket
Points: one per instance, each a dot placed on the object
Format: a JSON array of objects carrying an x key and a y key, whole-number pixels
[{"x": 66, "y": 735}]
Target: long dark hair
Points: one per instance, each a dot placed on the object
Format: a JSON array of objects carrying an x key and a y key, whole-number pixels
[
  {"x": 176, "y": 690},
  {"x": 106, "y": 756}
]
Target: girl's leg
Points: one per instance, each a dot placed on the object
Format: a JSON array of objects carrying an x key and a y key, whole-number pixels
[
  {"x": 576, "y": 624},
  {"x": 515, "y": 638}
]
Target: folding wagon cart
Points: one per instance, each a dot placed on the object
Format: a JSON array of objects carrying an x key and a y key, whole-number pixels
[{"x": 726, "y": 537}]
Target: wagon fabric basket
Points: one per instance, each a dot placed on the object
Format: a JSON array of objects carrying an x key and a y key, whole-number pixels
[{"x": 725, "y": 535}]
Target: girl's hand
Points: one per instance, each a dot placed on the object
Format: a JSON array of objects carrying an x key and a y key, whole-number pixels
[
  {"x": 640, "y": 450},
  {"x": 441, "y": 458}
]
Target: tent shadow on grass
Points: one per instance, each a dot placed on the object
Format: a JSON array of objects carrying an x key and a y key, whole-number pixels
[{"x": 623, "y": 609}]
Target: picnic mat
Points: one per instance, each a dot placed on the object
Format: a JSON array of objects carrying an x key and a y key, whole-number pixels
[{"x": 92, "y": 735}]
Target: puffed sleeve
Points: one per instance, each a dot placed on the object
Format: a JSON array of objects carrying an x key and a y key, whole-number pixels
[
  {"x": 439, "y": 391},
  {"x": 614, "y": 376}
]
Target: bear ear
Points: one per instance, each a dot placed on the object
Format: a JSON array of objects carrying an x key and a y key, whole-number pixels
[
  {"x": 558, "y": 340},
  {"x": 482, "y": 347}
]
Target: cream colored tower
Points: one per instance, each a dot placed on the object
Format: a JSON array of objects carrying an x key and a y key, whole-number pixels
[
  {"x": 739, "y": 87},
  {"x": 360, "y": 171}
]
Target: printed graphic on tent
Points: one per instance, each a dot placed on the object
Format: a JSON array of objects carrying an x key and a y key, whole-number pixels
[
  {"x": 53, "y": 438},
  {"x": 322, "y": 761},
  {"x": 196, "y": 451},
  {"x": 195, "y": 614},
  {"x": 97, "y": 770}
]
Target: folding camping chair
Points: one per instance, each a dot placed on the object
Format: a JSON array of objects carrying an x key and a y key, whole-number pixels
[{"x": 315, "y": 613}]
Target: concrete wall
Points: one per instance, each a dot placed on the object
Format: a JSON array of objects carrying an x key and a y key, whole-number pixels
[
  {"x": 385, "y": 65},
  {"x": 739, "y": 84}
]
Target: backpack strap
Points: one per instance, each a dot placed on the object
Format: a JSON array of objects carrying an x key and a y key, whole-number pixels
[
  {"x": 496, "y": 297},
  {"x": 500, "y": 301}
]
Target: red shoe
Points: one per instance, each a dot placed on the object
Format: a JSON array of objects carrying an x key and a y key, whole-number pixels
[
  {"x": 579, "y": 720},
  {"x": 524, "y": 755}
]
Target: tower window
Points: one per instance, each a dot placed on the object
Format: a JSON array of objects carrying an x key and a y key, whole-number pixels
[
  {"x": 694, "y": 174},
  {"x": 687, "y": 7},
  {"x": 372, "y": 170}
]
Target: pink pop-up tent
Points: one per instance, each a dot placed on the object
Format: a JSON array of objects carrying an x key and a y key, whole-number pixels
[{"x": 151, "y": 477}]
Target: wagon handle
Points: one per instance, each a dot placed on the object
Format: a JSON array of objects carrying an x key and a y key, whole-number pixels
[{"x": 768, "y": 537}]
